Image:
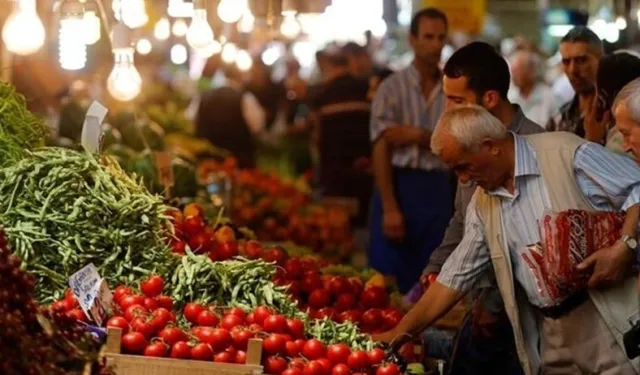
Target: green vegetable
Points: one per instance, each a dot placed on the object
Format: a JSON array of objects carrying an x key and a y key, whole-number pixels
[
  {"x": 63, "y": 209},
  {"x": 20, "y": 130}
]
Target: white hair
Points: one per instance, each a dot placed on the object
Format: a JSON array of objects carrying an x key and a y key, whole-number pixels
[
  {"x": 630, "y": 97},
  {"x": 469, "y": 125}
]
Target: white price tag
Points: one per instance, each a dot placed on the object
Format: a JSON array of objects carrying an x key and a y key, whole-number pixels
[
  {"x": 92, "y": 127},
  {"x": 92, "y": 292}
]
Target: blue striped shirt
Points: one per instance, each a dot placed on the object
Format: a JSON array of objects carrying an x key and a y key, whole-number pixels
[
  {"x": 399, "y": 101},
  {"x": 610, "y": 182}
]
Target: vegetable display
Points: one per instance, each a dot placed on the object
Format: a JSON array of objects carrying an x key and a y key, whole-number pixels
[{"x": 65, "y": 209}]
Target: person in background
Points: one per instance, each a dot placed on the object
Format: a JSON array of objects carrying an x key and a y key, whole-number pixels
[
  {"x": 230, "y": 117},
  {"x": 360, "y": 62},
  {"x": 268, "y": 93},
  {"x": 614, "y": 72},
  {"x": 521, "y": 178},
  {"x": 581, "y": 49},
  {"x": 536, "y": 98},
  {"x": 413, "y": 199},
  {"x": 626, "y": 112},
  {"x": 376, "y": 80},
  {"x": 477, "y": 74}
]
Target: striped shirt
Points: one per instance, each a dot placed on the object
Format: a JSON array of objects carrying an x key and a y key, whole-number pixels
[
  {"x": 400, "y": 101},
  {"x": 609, "y": 181}
]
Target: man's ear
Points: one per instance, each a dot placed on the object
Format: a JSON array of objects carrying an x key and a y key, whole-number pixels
[
  {"x": 490, "y": 145},
  {"x": 490, "y": 99}
]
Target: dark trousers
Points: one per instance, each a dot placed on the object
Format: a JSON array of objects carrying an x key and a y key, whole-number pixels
[{"x": 426, "y": 202}]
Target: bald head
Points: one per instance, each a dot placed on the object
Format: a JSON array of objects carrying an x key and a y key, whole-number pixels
[{"x": 525, "y": 67}]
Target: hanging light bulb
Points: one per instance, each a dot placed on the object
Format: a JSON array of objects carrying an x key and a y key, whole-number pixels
[
  {"x": 144, "y": 46},
  {"x": 230, "y": 11},
  {"x": 132, "y": 12},
  {"x": 229, "y": 53},
  {"x": 162, "y": 29},
  {"x": 92, "y": 27},
  {"x": 180, "y": 28},
  {"x": 213, "y": 48},
  {"x": 180, "y": 9},
  {"x": 247, "y": 22},
  {"x": 200, "y": 34},
  {"x": 179, "y": 54},
  {"x": 290, "y": 27},
  {"x": 72, "y": 47},
  {"x": 23, "y": 32},
  {"x": 124, "y": 82},
  {"x": 244, "y": 61}
]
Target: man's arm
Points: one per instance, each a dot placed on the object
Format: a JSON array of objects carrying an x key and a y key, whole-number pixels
[{"x": 407, "y": 135}]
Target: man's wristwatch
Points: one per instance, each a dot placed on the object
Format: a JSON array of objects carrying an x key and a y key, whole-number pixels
[{"x": 631, "y": 243}]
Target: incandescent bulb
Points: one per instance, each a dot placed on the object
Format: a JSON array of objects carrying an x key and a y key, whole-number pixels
[
  {"x": 244, "y": 61},
  {"x": 162, "y": 29},
  {"x": 92, "y": 27},
  {"x": 144, "y": 46},
  {"x": 229, "y": 53},
  {"x": 23, "y": 32},
  {"x": 72, "y": 47},
  {"x": 180, "y": 28},
  {"x": 230, "y": 11},
  {"x": 290, "y": 27},
  {"x": 133, "y": 13},
  {"x": 210, "y": 50},
  {"x": 124, "y": 82},
  {"x": 200, "y": 34},
  {"x": 247, "y": 22},
  {"x": 179, "y": 54}
]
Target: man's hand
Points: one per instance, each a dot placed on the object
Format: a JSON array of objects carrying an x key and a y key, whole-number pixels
[
  {"x": 404, "y": 135},
  {"x": 394, "y": 338},
  {"x": 610, "y": 265},
  {"x": 393, "y": 225}
]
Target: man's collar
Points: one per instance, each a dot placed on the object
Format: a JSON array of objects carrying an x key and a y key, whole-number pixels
[
  {"x": 518, "y": 119},
  {"x": 415, "y": 76},
  {"x": 526, "y": 162}
]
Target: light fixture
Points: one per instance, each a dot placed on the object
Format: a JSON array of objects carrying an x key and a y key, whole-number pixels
[
  {"x": 23, "y": 32},
  {"x": 290, "y": 27},
  {"x": 199, "y": 34},
  {"x": 621, "y": 23},
  {"x": 180, "y": 28},
  {"x": 179, "y": 54},
  {"x": 244, "y": 61},
  {"x": 162, "y": 29},
  {"x": 92, "y": 27},
  {"x": 213, "y": 48},
  {"x": 229, "y": 53},
  {"x": 247, "y": 22},
  {"x": 132, "y": 12},
  {"x": 72, "y": 47},
  {"x": 271, "y": 54},
  {"x": 180, "y": 9},
  {"x": 230, "y": 11},
  {"x": 144, "y": 46},
  {"x": 124, "y": 82}
]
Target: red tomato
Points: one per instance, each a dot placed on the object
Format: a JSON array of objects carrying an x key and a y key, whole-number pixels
[
  {"x": 238, "y": 312},
  {"x": 253, "y": 250},
  {"x": 293, "y": 268},
  {"x": 376, "y": 356},
  {"x": 314, "y": 349},
  {"x": 179, "y": 247},
  {"x": 181, "y": 350},
  {"x": 338, "y": 353},
  {"x": 227, "y": 250},
  {"x": 223, "y": 357},
  {"x": 134, "y": 311},
  {"x": 326, "y": 364},
  {"x": 119, "y": 322},
  {"x": 241, "y": 337},
  {"x": 295, "y": 327},
  {"x": 298, "y": 363},
  {"x": 319, "y": 298},
  {"x": 314, "y": 368},
  {"x": 275, "y": 365},
  {"x": 221, "y": 338},
  {"x": 230, "y": 321},
  {"x": 275, "y": 255},
  {"x": 131, "y": 300},
  {"x": 61, "y": 306},
  {"x": 388, "y": 369},
  {"x": 192, "y": 311},
  {"x": 339, "y": 285},
  {"x": 156, "y": 349},
  {"x": 161, "y": 317},
  {"x": 356, "y": 285},
  {"x": 345, "y": 301},
  {"x": 153, "y": 286},
  {"x": 134, "y": 343},
  {"x": 165, "y": 302},
  {"x": 173, "y": 335},
  {"x": 241, "y": 357},
  {"x": 391, "y": 318},
  {"x": 374, "y": 297},
  {"x": 250, "y": 318},
  {"x": 261, "y": 313},
  {"x": 292, "y": 349},
  {"x": 150, "y": 304},
  {"x": 275, "y": 324},
  {"x": 274, "y": 344},
  {"x": 326, "y": 313},
  {"x": 231, "y": 350},
  {"x": 311, "y": 282},
  {"x": 78, "y": 315},
  {"x": 341, "y": 369},
  {"x": 202, "y": 352},
  {"x": 372, "y": 319},
  {"x": 358, "y": 360},
  {"x": 200, "y": 243},
  {"x": 292, "y": 371},
  {"x": 120, "y": 292},
  {"x": 353, "y": 316},
  {"x": 193, "y": 225},
  {"x": 143, "y": 326},
  {"x": 208, "y": 318}
]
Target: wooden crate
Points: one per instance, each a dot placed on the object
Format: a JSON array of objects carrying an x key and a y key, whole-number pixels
[{"x": 123, "y": 364}]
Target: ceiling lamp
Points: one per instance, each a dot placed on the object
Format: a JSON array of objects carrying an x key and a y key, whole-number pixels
[
  {"x": 124, "y": 82},
  {"x": 23, "y": 32},
  {"x": 200, "y": 33},
  {"x": 72, "y": 48}
]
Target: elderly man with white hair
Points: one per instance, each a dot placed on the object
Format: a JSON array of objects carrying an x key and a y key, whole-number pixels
[
  {"x": 521, "y": 179},
  {"x": 626, "y": 111}
]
